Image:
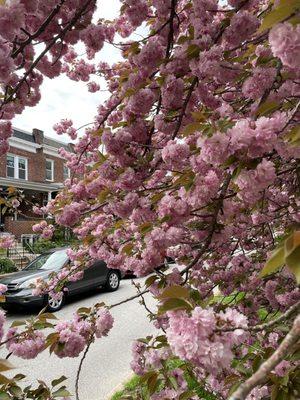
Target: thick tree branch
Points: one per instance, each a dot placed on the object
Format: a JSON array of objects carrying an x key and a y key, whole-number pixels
[
  {"x": 39, "y": 31},
  {"x": 260, "y": 376}
]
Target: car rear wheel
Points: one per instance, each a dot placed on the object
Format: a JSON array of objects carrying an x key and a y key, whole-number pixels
[
  {"x": 113, "y": 281},
  {"x": 55, "y": 304}
]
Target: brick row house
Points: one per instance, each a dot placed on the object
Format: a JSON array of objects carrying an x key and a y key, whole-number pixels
[{"x": 34, "y": 166}]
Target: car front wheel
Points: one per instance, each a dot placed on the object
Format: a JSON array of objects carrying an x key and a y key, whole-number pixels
[
  {"x": 113, "y": 281},
  {"x": 54, "y": 304}
]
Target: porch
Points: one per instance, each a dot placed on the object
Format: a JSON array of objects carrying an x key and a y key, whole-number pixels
[{"x": 21, "y": 221}]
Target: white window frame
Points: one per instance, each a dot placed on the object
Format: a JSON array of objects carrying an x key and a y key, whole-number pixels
[
  {"x": 52, "y": 170},
  {"x": 69, "y": 172},
  {"x": 16, "y": 166}
]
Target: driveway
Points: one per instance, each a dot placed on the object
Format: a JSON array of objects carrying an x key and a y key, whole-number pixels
[{"x": 107, "y": 363}]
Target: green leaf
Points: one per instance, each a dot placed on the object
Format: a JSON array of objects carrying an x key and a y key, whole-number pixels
[
  {"x": 174, "y": 304},
  {"x": 84, "y": 310},
  {"x": 292, "y": 254},
  {"x": 149, "y": 281},
  {"x": 18, "y": 323},
  {"x": 175, "y": 292},
  {"x": 282, "y": 11},
  {"x": 274, "y": 263},
  {"x": 48, "y": 316},
  {"x": 193, "y": 51},
  {"x": 4, "y": 380},
  {"x": 5, "y": 365},
  {"x": 16, "y": 391},
  {"x": 127, "y": 249},
  {"x": 152, "y": 383},
  {"x": 4, "y": 396},
  {"x": 186, "y": 395},
  {"x": 293, "y": 136},
  {"x": 191, "y": 128},
  {"x": 293, "y": 263},
  {"x": 62, "y": 392},
  {"x": 59, "y": 380},
  {"x": 267, "y": 107}
]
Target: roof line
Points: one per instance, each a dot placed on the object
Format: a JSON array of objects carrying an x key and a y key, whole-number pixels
[{"x": 46, "y": 136}]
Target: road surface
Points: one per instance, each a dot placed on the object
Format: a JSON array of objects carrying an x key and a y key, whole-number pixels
[{"x": 107, "y": 363}]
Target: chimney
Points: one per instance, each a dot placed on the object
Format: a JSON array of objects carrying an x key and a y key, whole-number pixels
[{"x": 38, "y": 136}]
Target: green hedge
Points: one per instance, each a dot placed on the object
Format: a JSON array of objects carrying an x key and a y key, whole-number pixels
[
  {"x": 43, "y": 245},
  {"x": 7, "y": 266}
]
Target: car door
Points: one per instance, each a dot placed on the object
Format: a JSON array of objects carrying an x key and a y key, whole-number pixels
[
  {"x": 78, "y": 286},
  {"x": 96, "y": 274}
]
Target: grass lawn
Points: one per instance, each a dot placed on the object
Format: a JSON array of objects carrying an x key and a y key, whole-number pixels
[{"x": 133, "y": 383}]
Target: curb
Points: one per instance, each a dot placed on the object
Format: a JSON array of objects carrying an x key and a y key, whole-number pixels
[{"x": 120, "y": 386}]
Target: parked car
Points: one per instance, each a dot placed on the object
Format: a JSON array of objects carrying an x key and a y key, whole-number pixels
[{"x": 19, "y": 284}]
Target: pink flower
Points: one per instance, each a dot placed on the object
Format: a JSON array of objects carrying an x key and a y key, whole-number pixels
[
  {"x": 284, "y": 40},
  {"x": 104, "y": 322},
  {"x": 26, "y": 346},
  {"x": 6, "y": 241},
  {"x": 93, "y": 87},
  {"x": 2, "y": 316},
  {"x": 242, "y": 25},
  {"x": 175, "y": 154},
  {"x": 141, "y": 102},
  {"x": 69, "y": 215},
  {"x": 262, "y": 79},
  {"x": 3, "y": 288},
  {"x": 5, "y": 130}
]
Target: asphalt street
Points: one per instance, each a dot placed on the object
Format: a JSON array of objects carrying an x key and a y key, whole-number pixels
[{"x": 108, "y": 362}]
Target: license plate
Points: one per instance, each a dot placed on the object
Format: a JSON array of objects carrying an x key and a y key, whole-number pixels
[{"x": 2, "y": 299}]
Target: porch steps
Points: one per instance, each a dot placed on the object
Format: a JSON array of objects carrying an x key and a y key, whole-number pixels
[{"x": 20, "y": 256}]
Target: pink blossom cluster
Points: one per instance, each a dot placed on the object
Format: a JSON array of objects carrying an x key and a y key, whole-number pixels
[
  {"x": 74, "y": 335},
  {"x": 192, "y": 337},
  {"x": 2, "y": 316},
  {"x": 284, "y": 43},
  {"x": 27, "y": 345},
  {"x": 6, "y": 241}
]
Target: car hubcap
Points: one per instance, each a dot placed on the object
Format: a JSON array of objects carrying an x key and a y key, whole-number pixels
[
  {"x": 113, "y": 280},
  {"x": 54, "y": 303}
]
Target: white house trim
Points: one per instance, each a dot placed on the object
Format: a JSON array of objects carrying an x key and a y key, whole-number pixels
[
  {"x": 51, "y": 151},
  {"x": 23, "y": 144},
  {"x": 39, "y": 187}
]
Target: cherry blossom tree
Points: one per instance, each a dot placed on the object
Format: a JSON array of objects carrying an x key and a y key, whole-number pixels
[{"x": 194, "y": 158}]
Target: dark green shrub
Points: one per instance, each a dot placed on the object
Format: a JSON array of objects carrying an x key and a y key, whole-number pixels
[
  {"x": 43, "y": 245},
  {"x": 7, "y": 266}
]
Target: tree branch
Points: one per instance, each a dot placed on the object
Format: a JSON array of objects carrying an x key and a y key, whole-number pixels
[
  {"x": 184, "y": 107},
  {"x": 45, "y": 51},
  {"x": 80, "y": 367},
  {"x": 260, "y": 376}
]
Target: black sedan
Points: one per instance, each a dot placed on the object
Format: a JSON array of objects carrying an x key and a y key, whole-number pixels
[{"x": 19, "y": 284}]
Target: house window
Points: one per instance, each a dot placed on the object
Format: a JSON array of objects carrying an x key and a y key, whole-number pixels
[
  {"x": 66, "y": 172},
  {"x": 49, "y": 170},
  {"x": 16, "y": 167}
]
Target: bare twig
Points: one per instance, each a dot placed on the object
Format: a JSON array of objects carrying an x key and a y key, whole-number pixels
[
  {"x": 184, "y": 107},
  {"x": 80, "y": 367},
  {"x": 218, "y": 206},
  {"x": 129, "y": 299}
]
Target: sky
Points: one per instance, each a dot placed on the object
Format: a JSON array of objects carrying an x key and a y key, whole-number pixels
[{"x": 63, "y": 98}]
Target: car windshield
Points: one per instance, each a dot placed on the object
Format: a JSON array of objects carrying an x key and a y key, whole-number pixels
[{"x": 49, "y": 261}]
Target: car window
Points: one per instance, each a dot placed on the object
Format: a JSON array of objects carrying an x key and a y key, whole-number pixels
[{"x": 49, "y": 261}]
